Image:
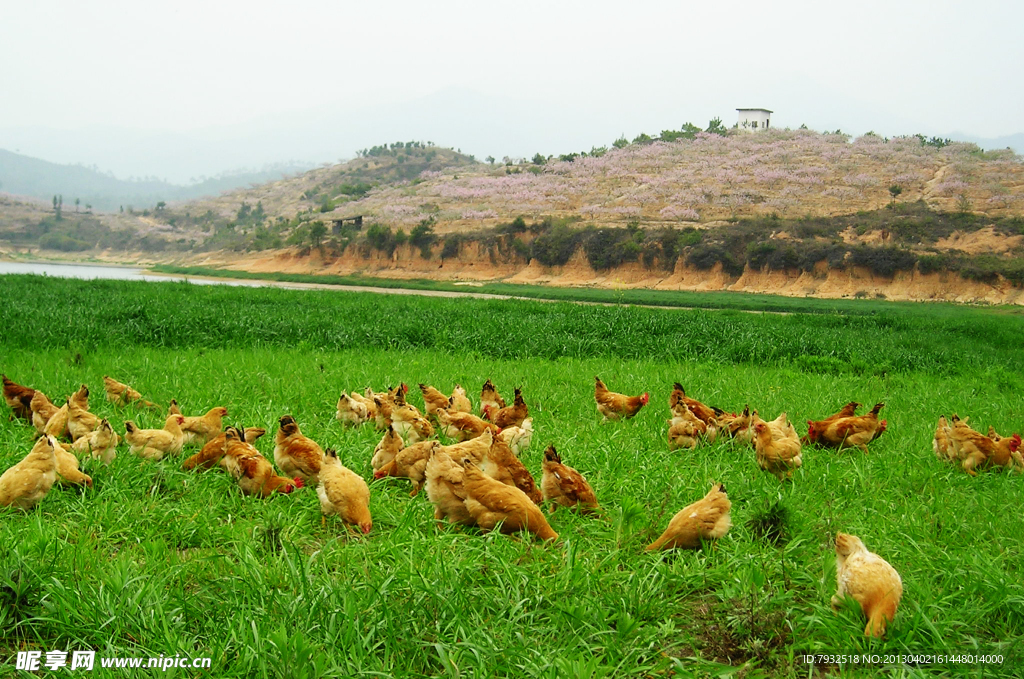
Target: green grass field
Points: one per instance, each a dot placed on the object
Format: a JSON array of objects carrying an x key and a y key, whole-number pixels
[
  {"x": 659, "y": 298},
  {"x": 154, "y": 560}
]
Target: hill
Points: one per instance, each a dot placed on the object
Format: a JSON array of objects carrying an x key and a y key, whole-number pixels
[
  {"x": 691, "y": 209},
  {"x": 30, "y": 177}
]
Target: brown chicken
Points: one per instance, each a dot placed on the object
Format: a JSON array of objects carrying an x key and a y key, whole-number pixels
[
  {"x": 941, "y": 443},
  {"x": 473, "y": 448},
  {"x": 42, "y": 410},
  {"x": 869, "y": 580},
  {"x": 367, "y": 400},
  {"x": 343, "y": 492},
  {"x": 351, "y": 411},
  {"x": 410, "y": 463},
  {"x": 81, "y": 422},
  {"x": 493, "y": 504},
  {"x": 384, "y": 405},
  {"x": 19, "y": 399},
  {"x": 433, "y": 400},
  {"x": 210, "y": 455},
  {"x": 780, "y": 427},
  {"x": 848, "y": 432},
  {"x": 563, "y": 485},
  {"x": 617, "y": 406},
  {"x": 685, "y": 429},
  {"x": 295, "y": 454},
  {"x": 57, "y": 425},
  {"x": 706, "y": 414},
  {"x": 445, "y": 490},
  {"x": 410, "y": 424},
  {"x": 502, "y": 465},
  {"x": 153, "y": 444},
  {"x": 462, "y": 426},
  {"x": 80, "y": 398},
  {"x": 682, "y": 434},
  {"x": 848, "y": 410},
  {"x": 740, "y": 427},
  {"x": 778, "y": 456},
  {"x": 704, "y": 520},
  {"x": 510, "y": 416},
  {"x": 459, "y": 401},
  {"x": 101, "y": 443},
  {"x": 518, "y": 438},
  {"x": 977, "y": 450},
  {"x": 253, "y": 472},
  {"x": 386, "y": 449},
  {"x": 204, "y": 428},
  {"x": 26, "y": 483},
  {"x": 490, "y": 399},
  {"x": 68, "y": 473},
  {"x": 121, "y": 394}
]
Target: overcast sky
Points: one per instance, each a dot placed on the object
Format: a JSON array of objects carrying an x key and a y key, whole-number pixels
[{"x": 219, "y": 68}]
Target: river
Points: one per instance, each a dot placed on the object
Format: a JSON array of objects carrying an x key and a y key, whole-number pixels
[
  {"x": 93, "y": 271},
  {"x": 126, "y": 273}
]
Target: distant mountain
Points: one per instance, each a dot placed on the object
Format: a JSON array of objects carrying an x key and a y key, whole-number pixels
[
  {"x": 1013, "y": 141},
  {"x": 26, "y": 176}
]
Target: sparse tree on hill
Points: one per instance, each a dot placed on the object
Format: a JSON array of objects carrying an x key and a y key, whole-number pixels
[
  {"x": 317, "y": 231},
  {"x": 77, "y": 201},
  {"x": 715, "y": 126},
  {"x": 894, "y": 190}
]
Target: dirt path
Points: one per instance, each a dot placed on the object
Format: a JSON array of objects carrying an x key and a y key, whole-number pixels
[{"x": 929, "y": 186}]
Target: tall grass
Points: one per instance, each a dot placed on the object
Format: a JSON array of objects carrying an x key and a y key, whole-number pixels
[
  {"x": 156, "y": 560},
  {"x": 47, "y": 313}
]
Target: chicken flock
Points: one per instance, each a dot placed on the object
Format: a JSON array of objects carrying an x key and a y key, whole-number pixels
[{"x": 478, "y": 479}]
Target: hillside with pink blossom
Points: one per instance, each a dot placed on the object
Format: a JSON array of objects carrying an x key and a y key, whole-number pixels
[{"x": 708, "y": 179}]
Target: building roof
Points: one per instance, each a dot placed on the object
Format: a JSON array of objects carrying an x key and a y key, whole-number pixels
[{"x": 755, "y": 109}]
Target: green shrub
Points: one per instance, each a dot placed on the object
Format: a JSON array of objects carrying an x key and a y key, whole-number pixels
[
  {"x": 556, "y": 246},
  {"x": 933, "y": 263},
  {"x": 423, "y": 237},
  {"x": 706, "y": 255},
  {"x": 62, "y": 242},
  {"x": 381, "y": 238},
  {"x": 884, "y": 261},
  {"x": 452, "y": 244},
  {"x": 758, "y": 253},
  {"x": 356, "y": 190},
  {"x": 832, "y": 253},
  {"x": 517, "y": 226},
  {"x": 664, "y": 245},
  {"x": 608, "y": 248},
  {"x": 521, "y": 248}
]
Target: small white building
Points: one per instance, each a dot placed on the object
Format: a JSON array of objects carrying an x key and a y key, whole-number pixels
[{"x": 754, "y": 119}]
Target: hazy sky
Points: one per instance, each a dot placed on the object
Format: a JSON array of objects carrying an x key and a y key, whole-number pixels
[{"x": 210, "y": 69}]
